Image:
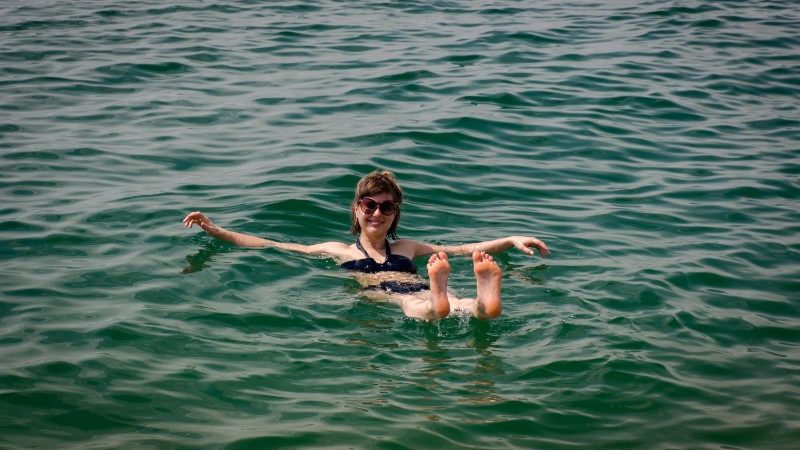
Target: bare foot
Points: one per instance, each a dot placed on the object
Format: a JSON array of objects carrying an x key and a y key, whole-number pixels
[
  {"x": 439, "y": 272},
  {"x": 489, "y": 277}
]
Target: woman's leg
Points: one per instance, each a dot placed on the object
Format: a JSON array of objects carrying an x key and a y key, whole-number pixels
[
  {"x": 436, "y": 304},
  {"x": 489, "y": 278},
  {"x": 487, "y": 305},
  {"x": 433, "y": 304}
]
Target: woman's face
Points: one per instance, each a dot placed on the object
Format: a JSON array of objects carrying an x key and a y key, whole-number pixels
[{"x": 375, "y": 224}]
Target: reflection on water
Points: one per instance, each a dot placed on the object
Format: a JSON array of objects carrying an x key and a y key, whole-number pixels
[
  {"x": 488, "y": 366},
  {"x": 198, "y": 261}
]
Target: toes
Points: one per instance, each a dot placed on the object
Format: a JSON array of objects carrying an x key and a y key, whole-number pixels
[
  {"x": 482, "y": 257},
  {"x": 434, "y": 257},
  {"x": 478, "y": 257}
]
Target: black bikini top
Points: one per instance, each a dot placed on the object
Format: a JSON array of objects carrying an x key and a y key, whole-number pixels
[{"x": 393, "y": 263}]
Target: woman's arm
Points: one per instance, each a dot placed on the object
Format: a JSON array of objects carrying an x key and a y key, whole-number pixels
[
  {"x": 525, "y": 244},
  {"x": 333, "y": 249}
]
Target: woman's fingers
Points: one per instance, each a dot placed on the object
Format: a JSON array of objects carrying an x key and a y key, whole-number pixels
[
  {"x": 526, "y": 244},
  {"x": 525, "y": 249},
  {"x": 542, "y": 248},
  {"x": 195, "y": 217}
]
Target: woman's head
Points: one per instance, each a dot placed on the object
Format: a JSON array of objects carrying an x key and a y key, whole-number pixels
[{"x": 377, "y": 184}]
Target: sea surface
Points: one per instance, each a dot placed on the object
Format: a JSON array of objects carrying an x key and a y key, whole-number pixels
[{"x": 654, "y": 146}]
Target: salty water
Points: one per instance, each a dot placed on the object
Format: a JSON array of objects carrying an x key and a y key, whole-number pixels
[{"x": 655, "y": 146}]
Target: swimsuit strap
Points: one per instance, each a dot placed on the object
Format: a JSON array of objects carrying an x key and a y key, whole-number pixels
[{"x": 360, "y": 247}]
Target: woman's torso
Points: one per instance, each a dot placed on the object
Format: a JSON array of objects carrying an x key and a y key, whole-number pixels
[
  {"x": 393, "y": 262},
  {"x": 396, "y": 274}
]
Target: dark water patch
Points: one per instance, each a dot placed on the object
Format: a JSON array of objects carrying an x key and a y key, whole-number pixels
[
  {"x": 791, "y": 126},
  {"x": 574, "y": 57},
  {"x": 682, "y": 10},
  {"x": 491, "y": 127},
  {"x": 299, "y": 7},
  {"x": 463, "y": 60},
  {"x": 200, "y": 29},
  {"x": 204, "y": 57},
  {"x": 550, "y": 98},
  {"x": 29, "y": 55},
  {"x": 214, "y": 118},
  {"x": 784, "y": 42},
  {"x": 626, "y": 297},
  {"x": 87, "y": 420},
  {"x": 35, "y": 155},
  {"x": 114, "y": 13},
  {"x": 344, "y": 108},
  {"x": 310, "y": 439},
  {"x": 354, "y": 48},
  {"x": 636, "y": 101},
  {"x": 405, "y": 76},
  {"x": 524, "y": 37},
  {"x": 9, "y": 128},
  {"x": 291, "y": 36},
  {"x": 34, "y": 399},
  {"x": 86, "y": 118},
  {"x": 708, "y": 23},
  {"x": 502, "y": 11},
  {"x": 705, "y": 279},
  {"x": 418, "y": 137},
  {"x": 602, "y": 84},
  {"x": 253, "y": 323},
  {"x": 216, "y": 8},
  {"x": 602, "y": 127},
  {"x": 692, "y": 93},
  {"x": 14, "y": 226},
  {"x": 36, "y": 80},
  {"x": 89, "y": 88},
  {"x": 514, "y": 57},
  {"x": 33, "y": 25},
  {"x": 503, "y": 100},
  {"x": 134, "y": 73},
  {"x": 734, "y": 88}
]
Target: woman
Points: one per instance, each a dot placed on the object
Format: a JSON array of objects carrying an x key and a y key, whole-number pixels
[{"x": 385, "y": 269}]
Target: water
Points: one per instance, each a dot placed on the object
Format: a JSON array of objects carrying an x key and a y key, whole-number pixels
[{"x": 652, "y": 145}]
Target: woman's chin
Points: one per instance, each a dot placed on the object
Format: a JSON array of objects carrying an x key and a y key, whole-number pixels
[{"x": 378, "y": 230}]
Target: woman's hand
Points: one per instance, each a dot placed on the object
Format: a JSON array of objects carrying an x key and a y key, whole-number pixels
[
  {"x": 201, "y": 219},
  {"x": 524, "y": 244}
]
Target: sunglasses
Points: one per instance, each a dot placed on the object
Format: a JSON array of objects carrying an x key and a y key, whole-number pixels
[{"x": 368, "y": 206}]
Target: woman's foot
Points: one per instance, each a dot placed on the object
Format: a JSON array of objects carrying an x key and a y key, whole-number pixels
[
  {"x": 489, "y": 277},
  {"x": 438, "y": 273}
]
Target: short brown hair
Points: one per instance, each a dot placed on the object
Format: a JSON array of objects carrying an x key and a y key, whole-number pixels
[{"x": 376, "y": 183}]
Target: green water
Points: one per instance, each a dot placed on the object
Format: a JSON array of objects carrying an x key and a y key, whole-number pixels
[{"x": 655, "y": 146}]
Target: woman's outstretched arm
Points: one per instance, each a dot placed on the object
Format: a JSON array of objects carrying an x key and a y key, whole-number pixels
[
  {"x": 333, "y": 249},
  {"x": 525, "y": 244}
]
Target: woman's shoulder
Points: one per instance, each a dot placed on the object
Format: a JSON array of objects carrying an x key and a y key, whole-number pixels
[
  {"x": 405, "y": 247},
  {"x": 412, "y": 248},
  {"x": 338, "y": 250}
]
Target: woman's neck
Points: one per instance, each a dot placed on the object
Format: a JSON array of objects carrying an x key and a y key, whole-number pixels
[{"x": 377, "y": 243}]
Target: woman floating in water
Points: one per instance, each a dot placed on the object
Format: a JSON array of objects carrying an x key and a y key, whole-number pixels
[{"x": 385, "y": 269}]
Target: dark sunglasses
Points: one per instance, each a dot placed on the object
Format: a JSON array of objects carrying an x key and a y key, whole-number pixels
[{"x": 368, "y": 206}]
